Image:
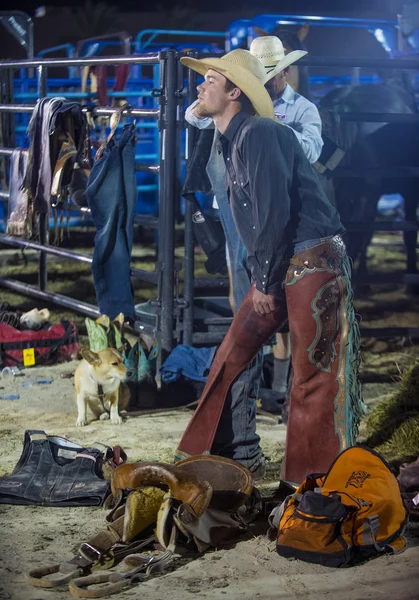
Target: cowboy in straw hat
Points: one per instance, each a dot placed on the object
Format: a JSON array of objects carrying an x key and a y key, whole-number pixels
[
  {"x": 302, "y": 116},
  {"x": 291, "y": 233},
  {"x": 244, "y": 71}
]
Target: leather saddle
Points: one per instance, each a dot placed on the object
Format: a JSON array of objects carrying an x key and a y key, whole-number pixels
[
  {"x": 197, "y": 481},
  {"x": 205, "y": 498},
  {"x": 192, "y": 505}
]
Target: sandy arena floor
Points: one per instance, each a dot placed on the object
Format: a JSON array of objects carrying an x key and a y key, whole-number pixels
[{"x": 33, "y": 536}]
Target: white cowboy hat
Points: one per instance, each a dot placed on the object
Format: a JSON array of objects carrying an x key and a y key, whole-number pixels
[
  {"x": 270, "y": 51},
  {"x": 245, "y": 71}
]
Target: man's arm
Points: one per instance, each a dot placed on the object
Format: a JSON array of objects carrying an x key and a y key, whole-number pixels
[
  {"x": 269, "y": 156},
  {"x": 193, "y": 118},
  {"x": 308, "y": 129}
]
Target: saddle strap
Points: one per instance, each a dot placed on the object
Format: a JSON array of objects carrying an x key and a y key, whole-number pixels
[
  {"x": 95, "y": 553},
  {"x": 116, "y": 582}
]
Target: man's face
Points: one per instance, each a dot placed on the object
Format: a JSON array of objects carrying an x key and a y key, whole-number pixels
[
  {"x": 212, "y": 95},
  {"x": 276, "y": 85}
]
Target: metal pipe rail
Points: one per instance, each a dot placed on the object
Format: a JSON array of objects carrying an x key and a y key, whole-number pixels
[
  {"x": 139, "y": 166},
  {"x": 217, "y": 335},
  {"x": 377, "y": 172},
  {"x": 354, "y": 226},
  {"x": 359, "y": 62},
  {"x": 148, "y": 221},
  {"x": 349, "y": 62},
  {"x": 29, "y": 290},
  {"x": 189, "y": 259},
  {"x": 151, "y": 59},
  {"x": 324, "y": 21},
  {"x": 148, "y": 276},
  {"x": 400, "y": 118},
  {"x": 151, "y": 113}
]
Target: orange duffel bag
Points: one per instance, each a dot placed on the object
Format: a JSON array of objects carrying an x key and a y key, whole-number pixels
[{"x": 353, "y": 512}]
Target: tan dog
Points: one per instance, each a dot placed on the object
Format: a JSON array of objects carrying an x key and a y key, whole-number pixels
[{"x": 99, "y": 385}]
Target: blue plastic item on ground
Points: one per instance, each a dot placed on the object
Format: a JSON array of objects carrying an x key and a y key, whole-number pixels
[{"x": 186, "y": 361}]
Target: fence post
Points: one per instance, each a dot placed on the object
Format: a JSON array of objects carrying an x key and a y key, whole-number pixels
[
  {"x": 7, "y": 129},
  {"x": 43, "y": 217},
  {"x": 189, "y": 261},
  {"x": 167, "y": 200}
]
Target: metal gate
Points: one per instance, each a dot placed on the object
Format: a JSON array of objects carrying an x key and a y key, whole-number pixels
[
  {"x": 167, "y": 115},
  {"x": 173, "y": 318}
]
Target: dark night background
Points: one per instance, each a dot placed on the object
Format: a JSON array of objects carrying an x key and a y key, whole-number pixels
[
  {"x": 71, "y": 20},
  {"x": 349, "y": 7}
]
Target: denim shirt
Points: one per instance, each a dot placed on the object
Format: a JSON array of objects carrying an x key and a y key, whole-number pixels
[{"x": 276, "y": 198}]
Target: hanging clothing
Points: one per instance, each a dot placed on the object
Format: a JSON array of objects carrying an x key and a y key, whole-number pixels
[
  {"x": 19, "y": 220},
  {"x": 112, "y": 194},
  {"x": 54, "y": 121}
]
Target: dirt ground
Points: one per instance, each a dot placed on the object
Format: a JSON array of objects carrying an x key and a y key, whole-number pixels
[
  {"x": 34, "y": 536},
  {"x": 251, "y": 569}
]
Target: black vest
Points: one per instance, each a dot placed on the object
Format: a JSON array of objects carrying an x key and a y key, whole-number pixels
[{"x": 55, "y": 472}]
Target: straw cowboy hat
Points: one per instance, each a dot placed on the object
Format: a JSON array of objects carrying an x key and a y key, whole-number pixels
[
  {"x": 270, "y": 51},
  {"x": 244, "y": 70}
]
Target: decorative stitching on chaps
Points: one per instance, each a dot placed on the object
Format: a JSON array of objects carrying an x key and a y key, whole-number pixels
[{"x": 322, "y": 351}]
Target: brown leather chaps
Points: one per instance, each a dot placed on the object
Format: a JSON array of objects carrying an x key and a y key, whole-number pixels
[{"x": 325, "y": 396}]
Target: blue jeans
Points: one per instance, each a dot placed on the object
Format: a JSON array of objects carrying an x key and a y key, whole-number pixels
[
  {"x": 238, "y": 256},
  {"x": 236, "y": 436},
  {"x": 112, "y": 195}
]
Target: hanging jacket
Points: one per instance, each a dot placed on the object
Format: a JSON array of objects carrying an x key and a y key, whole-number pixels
[{"x": 53, "y": 121}]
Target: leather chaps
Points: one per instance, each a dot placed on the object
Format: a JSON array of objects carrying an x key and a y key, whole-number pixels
[{"x": 325, "y": 396}]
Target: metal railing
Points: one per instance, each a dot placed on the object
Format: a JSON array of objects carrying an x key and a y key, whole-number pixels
[{"x": 167, "y": 116}]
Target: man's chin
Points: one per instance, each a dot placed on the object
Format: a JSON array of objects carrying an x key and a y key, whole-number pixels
[{"x": 204, "y": 112}]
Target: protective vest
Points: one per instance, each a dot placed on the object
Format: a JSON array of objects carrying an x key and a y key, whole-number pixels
[{"x": 53, "y": 471}]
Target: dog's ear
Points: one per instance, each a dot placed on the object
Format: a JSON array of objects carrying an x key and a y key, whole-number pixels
[{"x": 92, "y": 357}]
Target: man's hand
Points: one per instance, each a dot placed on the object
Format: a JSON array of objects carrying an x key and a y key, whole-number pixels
[{"x": 264, "y": 304}]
